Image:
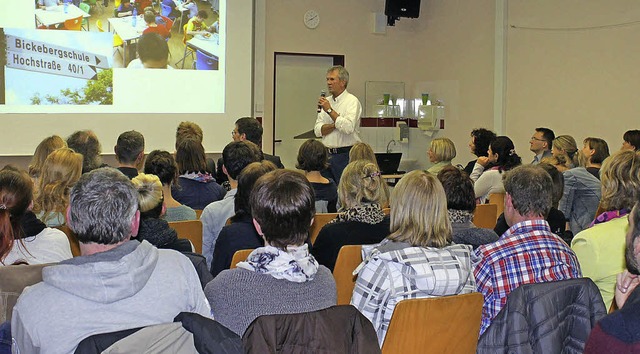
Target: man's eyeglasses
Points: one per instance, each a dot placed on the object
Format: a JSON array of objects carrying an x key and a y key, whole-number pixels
[{"x": 537, "y": 139}]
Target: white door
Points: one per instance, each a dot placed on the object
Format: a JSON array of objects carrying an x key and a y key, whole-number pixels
[{"x": 298, "y": 82}]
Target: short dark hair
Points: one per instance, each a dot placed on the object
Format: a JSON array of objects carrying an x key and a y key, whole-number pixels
[
  {"x": 203, "y": 14},
  {"x": 251, "y": 128},
  {"x": 236, "y": 156},
  {"x": 246, "y": 181},
  {"x": 151, "y": 46},
  {"x": 481, "y": 139},
  {"x": 283, "y": 204},
  {"x": 86, "y": 142},
  {"x": 190, "y": 156},
  {"x": 601, "y": 149},
  {"x": 129, "y": 146},
  {"x": 459, "y": 189},
  {"x": 507, "y": 157},
  {"x": 633, "y": 138},
  {"x": 558, "y": 182},
  {"x": 312, "y": 156},
  {"x": 547, "y": 135},
  {"x": 149, "y": 17},
  {"x": 530, "y": 188},
  {"x": 162, "y": 164}
]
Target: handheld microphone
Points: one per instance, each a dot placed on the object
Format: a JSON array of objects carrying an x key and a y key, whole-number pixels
[{"x": 323, "y": 93}]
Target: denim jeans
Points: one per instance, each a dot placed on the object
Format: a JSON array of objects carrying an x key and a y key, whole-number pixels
[{"x": 5, "y": 338}]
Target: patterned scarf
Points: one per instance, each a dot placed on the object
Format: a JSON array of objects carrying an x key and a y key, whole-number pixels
[
  {"x": 296, "y": 264},
  {"x": 198, "y": 176},
  {"x": 460, "y": 216},
  {"x": 609, "y": 215},
  {"x": 369, "y": 213}
]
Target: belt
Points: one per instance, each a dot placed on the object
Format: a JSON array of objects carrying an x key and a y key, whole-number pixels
[{"x": 341, "y": 150}]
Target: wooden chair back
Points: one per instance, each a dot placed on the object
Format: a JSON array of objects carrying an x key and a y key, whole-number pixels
[
  {"x": 319, "y": 221},
  {"x": 239, "y": 256},
  {"x": 191, "y": 230},
  {"x": 73, "y": 24},
  {"x": 349, "y": 258},
  {"x": 497, "y": 199},
  {"x": 13, "y": 280},
  {"x": 485, "y": 216},
  {"x": 198, "y": 213},
  {"x": 73, "y": 240},
  {"x": 447, "y": 324}
]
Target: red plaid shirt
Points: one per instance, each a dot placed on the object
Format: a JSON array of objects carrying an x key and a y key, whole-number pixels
[{"x": 527, "y": 253}]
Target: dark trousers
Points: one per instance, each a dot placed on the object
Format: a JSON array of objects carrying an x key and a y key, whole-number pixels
[{"x": 337, "y": 163}]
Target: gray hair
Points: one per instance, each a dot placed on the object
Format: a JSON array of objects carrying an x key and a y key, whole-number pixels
[
  {"x": 531, "y": 190},
  {"x": 343, "y": 74},
  {"x": 102, "y": 205}
]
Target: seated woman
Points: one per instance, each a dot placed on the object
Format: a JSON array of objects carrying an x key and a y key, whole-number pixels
[
  {"x": 281, "y": 277},
  {"x": 152, "y": 228},
  {"x": 417, "y": 260},
  {"x": 362, "y": 192},
  {"x": 240, "y": 234},
  {"x": 479, "y": 144},
  {"x": 502, "y": 156},
  {"x": 362, "y": 151},
  {"x": 313, "y": 158},
  {"x": 24, "y": 238},
  {"x": 600, "y": 248},
  {"x": 593, "y": 153},
  {"x": 61, "y": 170},
  {"x": 461, "y": 203},
  {"x": 441, "y": 152},
  {"x": 196, "y": 187},
  {"x": 46, "y": 146},
  {"x": 565, "y": 146},
  {"x": 162, "y": 164}
]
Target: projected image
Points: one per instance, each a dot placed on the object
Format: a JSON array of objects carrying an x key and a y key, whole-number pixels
[{"x": 54, "y": 67}]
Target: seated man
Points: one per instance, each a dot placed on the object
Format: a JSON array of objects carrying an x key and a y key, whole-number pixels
[
  {"x": 153, "y": 53},
  {"x": 114, "y": 284},
  {"x": 528, "y": 252},
  {"x": 129, "y": 151}
]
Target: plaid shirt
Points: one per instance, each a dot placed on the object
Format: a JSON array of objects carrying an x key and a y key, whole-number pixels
[{"x": 527, "y": 253}]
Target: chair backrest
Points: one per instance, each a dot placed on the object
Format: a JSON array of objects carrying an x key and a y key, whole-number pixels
[
  {"x": 485, "y": 216},
  {"x": 198, "y": 213},
  {"x": 84, "y": 7},
  {"x": 191, "y": 230},
  {"x": 73, "y": 240},
  {"x": 446, "y": 324},
  {"x": 497, "y": 199},
  {"x": 99, "y": 25},
  {"x": 239, "y": 256},
  {"x": 349, "y": 258},
  {"x": 73, "y": 24},
  {"x": 205, "y": 62},
  {"x": 13, "y": 280},
  {"x": 319, "y": 221}
]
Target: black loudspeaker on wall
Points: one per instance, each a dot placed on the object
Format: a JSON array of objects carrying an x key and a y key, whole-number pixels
[{"x": 402, "y": 8}]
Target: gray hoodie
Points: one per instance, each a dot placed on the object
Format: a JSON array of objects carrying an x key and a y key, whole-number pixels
[{"x": 130, "y": 286}]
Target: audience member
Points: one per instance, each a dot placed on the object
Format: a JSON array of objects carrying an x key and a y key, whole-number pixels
[
  {"x": 362, "y": 151},
  {"x": 313, "y": 158},
  {"x": 541, "y": 143},
  {"x": 479, "y": 145},
  {"x": 579, "y": 202},
  {"x": 631, "y": 140},
  {"x": 600, "y": 248},
  {"x": 362, "y": 192},
  {"x": 196, "y": 187},
  {"x": 86, "y": 142},
  {"x": 129, "y": 151},
  {"x": 240, "y": 234},
  {"x": 502, "y": 156},
  {"x": 593, "y": 153},
  {"x": 46, "y": 146},
  {"x": 417, "y": 260},
  {"x": 24, "y": 238},
  {"x": 565, "y": 146},
  {"x": 281, "y": 277},
  {"x": 60, "y": 172},
  {"x": 153, "y": 52},
  {"x": 116, "y": 283},
  {"x": 461, "y": 203},
  {"x": 191, "y": 130},
  {"x": 237, "y": 155},
  {"x": 441, "y": 152},
  {"x": 162, "y": 164},
  {"x": 555, "y": 218},
  {"x": 526, "y": 253},
  {"x": 618, "y": 332}
]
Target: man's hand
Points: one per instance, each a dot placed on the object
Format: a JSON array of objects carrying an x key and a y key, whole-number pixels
[
  {"x": 324, "y": 103},
  {"x": 625, "y": 284}
]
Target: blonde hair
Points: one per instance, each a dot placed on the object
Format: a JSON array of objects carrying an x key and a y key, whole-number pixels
[
  {"x": 149, "y": 191},
  {"x": 361, "y": 181},
  {"x": 620, "y": 178},
  {"x": 60, "y": 171},
  {"x": 559, "y": 162},
  {"x": 443, "y": 149},
  {"x": 362, "y": 151},
  {"x": 46, "y": 146},
  {"x": 568, "y": 145},
  {"x": 419, "y": 211}
]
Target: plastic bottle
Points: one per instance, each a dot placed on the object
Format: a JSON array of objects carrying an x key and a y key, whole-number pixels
[
  {"x": 66, "y": 6},
  {"x": 134, "y": 18}
]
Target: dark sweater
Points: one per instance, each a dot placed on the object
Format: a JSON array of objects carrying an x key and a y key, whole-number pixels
[
  {"x": 240, "y": 235},
  {"x": 333, "y": 236},
  {"x": 468, "y": 234},
  {"x": 556, "y": 220},
  {"x": 618, "y": 332},
  {"x": 195, "y": 194},
  {"x": 328, "y": 192}
]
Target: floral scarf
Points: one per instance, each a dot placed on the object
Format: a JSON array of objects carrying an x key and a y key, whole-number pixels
[
  {"x": 609, "y": 215},
  {"x": 370, "y": 213},
  {"x": 296, "y": 264}
]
